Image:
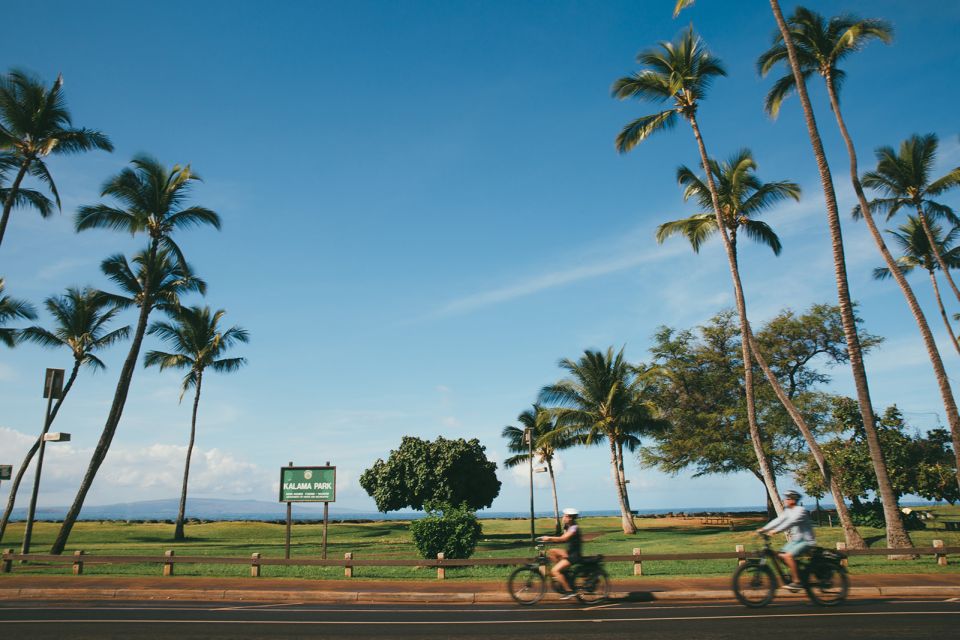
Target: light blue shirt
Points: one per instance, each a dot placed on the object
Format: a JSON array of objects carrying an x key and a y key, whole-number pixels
[{"x": 796, "y": 522}]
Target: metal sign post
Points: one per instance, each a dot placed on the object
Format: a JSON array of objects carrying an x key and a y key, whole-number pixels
[
  {"x": 52, "y": 389},
  {"x": 6, "y": 470},
  {"x": 286, "y": 553},
  {"x": 308, "y": 484}
]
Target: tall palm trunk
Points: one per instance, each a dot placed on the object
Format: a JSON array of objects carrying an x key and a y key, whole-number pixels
[
  {"x": 622, "y": 476},
  {"x": 896, "y": 532},
  {"x": 850, "y": 533},
  {"x": 12, "y": 196},
  {"x": 626, "y": 518},
  {"x": 116, "y": 409},
  {"x": 933, "y": 352},
  {"x": 181, "y": 514},
  {"x": 943, "y": 312},
  {"x": 15, "y": 486},
  {"x": 933, "y": 248},
  {"x": 556, "y": 504},
  {"x": 766, "y": 471}
]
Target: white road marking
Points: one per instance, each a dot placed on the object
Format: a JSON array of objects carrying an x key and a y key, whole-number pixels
[
  {"x": 488, "y": 622},
  {"x": 256, "y": 606},
  {"x": 601, "y": 606}
]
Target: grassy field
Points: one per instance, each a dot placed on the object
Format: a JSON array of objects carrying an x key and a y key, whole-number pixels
[{"x": 391, "y": 539}]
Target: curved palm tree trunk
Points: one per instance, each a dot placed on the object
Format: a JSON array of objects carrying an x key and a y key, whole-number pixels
[
  {"x": 850, "y": 533},
  {"x": 943, "y": 382},
  {"x": 943, "y": 312},
  {"x": 896, "y": 532},
  {"x": 113, "y": 418},
  {"x": 626, "y": 517},
  {"x": 181, "y": 514},
  {"x": 12, "y": 196},
  {"x": 766, "y": 470},
  {"x": 556, "y": 504},
  {"x": 622, "y": 476},
  {"x": 15, "y": 486},
  {"x": 936, "y": 254}
]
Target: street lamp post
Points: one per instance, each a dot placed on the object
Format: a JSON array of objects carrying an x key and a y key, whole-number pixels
[
  {"x": 52, "y": 388},
  {"x": 528, "y": 436}
]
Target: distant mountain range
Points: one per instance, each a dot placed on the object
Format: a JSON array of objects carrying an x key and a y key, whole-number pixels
[{"x": 207, "y": 509}]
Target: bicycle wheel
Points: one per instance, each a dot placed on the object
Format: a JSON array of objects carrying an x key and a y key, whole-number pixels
[
  {"x": 827, "y": 583},
  {"x": 526, "y": 585},
  {"x": 592, "y": 587},
  {"x": 754, "y": 584}
]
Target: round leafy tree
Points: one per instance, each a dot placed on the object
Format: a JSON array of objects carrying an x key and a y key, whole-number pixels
[{"x": 449, "y": 472}]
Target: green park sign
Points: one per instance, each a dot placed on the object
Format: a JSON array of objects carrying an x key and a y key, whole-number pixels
[
  {"x": 308, "y": 484},
  {"x": 5, "y": 471}
]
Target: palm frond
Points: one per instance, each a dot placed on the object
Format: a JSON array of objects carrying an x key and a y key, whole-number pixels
[{"x": 643, "y": 127}]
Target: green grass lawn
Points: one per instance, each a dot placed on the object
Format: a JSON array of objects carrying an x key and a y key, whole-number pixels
[{"x": 391, "y": 539}]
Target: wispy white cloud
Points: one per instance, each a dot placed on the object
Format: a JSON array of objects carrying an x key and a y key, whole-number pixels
[{"x": 624, "y": 259}]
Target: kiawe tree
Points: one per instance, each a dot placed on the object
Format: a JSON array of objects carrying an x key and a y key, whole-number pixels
[
  {"x": 151, "y": 200},
  {"x": 199, "y": 344},
  {"x": 80, "y": 324},
  {"x": 34, "y": 124}
]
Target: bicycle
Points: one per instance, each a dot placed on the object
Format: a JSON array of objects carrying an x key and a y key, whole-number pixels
[
  {"x": 822, "y": 575},
  {"x": 591, "y": 584}
]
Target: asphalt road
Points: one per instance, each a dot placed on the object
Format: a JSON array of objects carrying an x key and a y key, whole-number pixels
[{"x": 888, "y": 619}]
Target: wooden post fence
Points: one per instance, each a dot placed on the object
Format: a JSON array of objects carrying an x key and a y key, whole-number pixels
[
  {"x": 7, "y": 565},
  {"x": 168, "y": 566},
  {"x": 441, "y": 572},
  {"x": 77, "y": 563},
  {"x": 255, "y": 565},
  {"x": 637, "y": 562},
  {"x": 741, "y": 554},
  {"x": 842, "y": 548},
  {"x": 941, "y": 557},
  {"x": 347, "y": 567}
]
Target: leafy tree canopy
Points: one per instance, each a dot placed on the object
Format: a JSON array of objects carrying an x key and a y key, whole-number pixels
[
  {"x": 700, "y": 389},
  {"x": 919, "y": 464},
  {"x": 420, "y": 472}
]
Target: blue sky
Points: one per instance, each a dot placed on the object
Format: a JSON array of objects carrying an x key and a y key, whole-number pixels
[{"x": 424, "y": 211}]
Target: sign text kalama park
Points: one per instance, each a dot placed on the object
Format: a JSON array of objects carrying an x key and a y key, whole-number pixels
[{"x": 308, "y": 484}]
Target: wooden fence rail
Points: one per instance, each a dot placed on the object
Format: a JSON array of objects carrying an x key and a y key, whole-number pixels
[{"x": 168, "y": 560}]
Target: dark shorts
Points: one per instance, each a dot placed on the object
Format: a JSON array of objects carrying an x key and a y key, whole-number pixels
[{"x": 574, "y": 558}]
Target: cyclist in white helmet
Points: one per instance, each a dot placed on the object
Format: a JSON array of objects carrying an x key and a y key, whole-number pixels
[{"x": 563, "y": 558}]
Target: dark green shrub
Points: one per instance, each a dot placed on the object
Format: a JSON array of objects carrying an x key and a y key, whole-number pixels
[
  {"x": 452, "y": 531},
  {"x": 870, "y": 514}
]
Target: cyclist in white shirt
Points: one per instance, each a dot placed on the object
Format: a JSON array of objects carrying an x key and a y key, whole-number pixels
[{"x": 795, "y": 520}]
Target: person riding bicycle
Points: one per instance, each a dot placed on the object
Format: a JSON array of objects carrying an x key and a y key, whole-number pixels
[
  {"x": 563, "y": 558},
  {"x": 800, "y": 536}
]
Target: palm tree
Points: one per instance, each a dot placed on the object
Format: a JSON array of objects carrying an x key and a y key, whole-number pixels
[
  {"x": 600, "y": 401},
  {"x": 199, "y": 343},
  {"x": 11, "y": 308},
  {"x": 153, "y": 197},
  {"x": 742, "y": 197},
  {"x": 21, "y": 197},
  {"x": 792, "y": 43},
  {"x": 681, "y": 72},
  {"x": 80, "y": 322},
  {"x": 547, "y": 440},
  {"x": 35, "y": 123},
  {"x": 917, "y": 252},
  {"x": 904, "y": 178}
]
